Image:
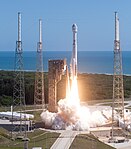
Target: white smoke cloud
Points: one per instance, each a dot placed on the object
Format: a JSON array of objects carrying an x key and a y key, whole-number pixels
[
  {"x": 48, "y": 118},
  {"x": 75, "y": 117}
]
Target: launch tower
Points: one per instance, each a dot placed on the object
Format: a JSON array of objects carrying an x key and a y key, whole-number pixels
[
  {"x": 39, "y": 78},
  {"x": 118, "y": 91},
  {"x": 19, "y": 92}
]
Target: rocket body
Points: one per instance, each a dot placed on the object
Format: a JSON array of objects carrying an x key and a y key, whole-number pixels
[{"x": 74, "y": 52}]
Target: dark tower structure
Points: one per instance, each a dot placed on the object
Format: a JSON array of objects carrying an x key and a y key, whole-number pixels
[{"x": 55, "y": 71}]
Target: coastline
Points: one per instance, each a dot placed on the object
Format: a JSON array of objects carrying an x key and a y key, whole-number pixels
[
  {"x": 79, "y": 73},
  {"x": 91, "y": 62}
]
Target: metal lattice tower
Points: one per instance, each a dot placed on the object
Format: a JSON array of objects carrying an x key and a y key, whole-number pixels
[
  {"x": 118, "y": 91},
  {"x": 39, "y": 78},
  {"x": 19, "y": 91}
]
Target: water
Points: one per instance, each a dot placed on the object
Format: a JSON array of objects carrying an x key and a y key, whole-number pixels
[{"x": 88, "y": 61}]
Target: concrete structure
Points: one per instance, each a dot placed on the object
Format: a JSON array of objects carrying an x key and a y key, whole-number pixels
[
  {"x": 39, "y": 77},
  {"x": 101, "y": 131},
  {"x": 65, "y": 140},
  {"x": 124, "y": 145},
  {"x": 16, "y": 116},
  {"x": 55, "y": 71},
  {"x": 7, "y": 124}
]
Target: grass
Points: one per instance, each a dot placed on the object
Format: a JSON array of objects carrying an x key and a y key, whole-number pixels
[
  {"x": 4, "y": 133},
  {"x": 88, "y": 141},
  {"x": 45, "y": 139},
  {"x": 38, "y": 138},
  {"x": 11, "y": 147}
]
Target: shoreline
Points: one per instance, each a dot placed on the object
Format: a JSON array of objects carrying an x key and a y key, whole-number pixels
[{"x": 80, "y": 73}]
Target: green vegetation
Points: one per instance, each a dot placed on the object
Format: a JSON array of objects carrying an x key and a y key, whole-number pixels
[
  {"x": 45, "y": 139},
  {"x": 95, "y": 87},
  {"x": 11, "y": 147},
  {"x": 88, "y": 141},
  {"x": 91, "y": 87},
  {"x": 38, "y": 138},
  {"x": 4, "y": 133},
  {"x": 6, "y": 87}
]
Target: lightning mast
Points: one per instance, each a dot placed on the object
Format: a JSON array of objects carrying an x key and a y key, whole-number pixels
[
  {"x": 118, "y": 91},
  {"x": 19, "y": 92},
  {"x": 39, "y": 78}
]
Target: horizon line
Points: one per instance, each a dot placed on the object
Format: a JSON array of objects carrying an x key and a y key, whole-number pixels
[{"x": 66, "y": 51}]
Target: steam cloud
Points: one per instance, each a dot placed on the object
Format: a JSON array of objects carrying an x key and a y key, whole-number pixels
[{"x": 75, "y": 117}]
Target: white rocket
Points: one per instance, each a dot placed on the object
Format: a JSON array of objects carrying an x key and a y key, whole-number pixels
[{"x": 74, "y": 52}]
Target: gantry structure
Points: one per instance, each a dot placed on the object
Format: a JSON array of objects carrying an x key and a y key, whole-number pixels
[
  {"x": 39, "y": 77},
  {"x": 55, "y": 71},
  {"x": 118, "y": 91},
  {"x": 18, "y": 103}
]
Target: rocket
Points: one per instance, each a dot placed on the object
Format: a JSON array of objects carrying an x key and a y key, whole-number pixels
[
  {"x": 67, "y": 83},
  {"x": 74, "y": 52}
]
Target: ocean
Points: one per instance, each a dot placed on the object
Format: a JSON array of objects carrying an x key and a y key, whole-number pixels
[{"x": 88, "y": 61}]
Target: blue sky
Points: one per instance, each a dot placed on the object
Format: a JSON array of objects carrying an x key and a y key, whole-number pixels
[{"x": 94, "y": 18}]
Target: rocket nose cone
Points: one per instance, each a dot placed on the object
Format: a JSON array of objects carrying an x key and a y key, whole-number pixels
[{"x": 74, "y": 28}]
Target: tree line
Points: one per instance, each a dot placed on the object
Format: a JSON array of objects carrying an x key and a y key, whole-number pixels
[{"x": 90, "y": 87}]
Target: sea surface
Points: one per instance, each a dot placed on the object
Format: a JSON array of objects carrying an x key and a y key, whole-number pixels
[{"x": 88, "y": 61}]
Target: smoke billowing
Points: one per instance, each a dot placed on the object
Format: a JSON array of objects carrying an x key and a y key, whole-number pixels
[
  {"x": 75, "y": 117},
  {"x": 71, "y": 115}
]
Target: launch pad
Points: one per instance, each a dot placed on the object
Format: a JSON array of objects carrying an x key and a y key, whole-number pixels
[
  {"x": 68, "y": 111},
  {"x": 69, "y": 114}
]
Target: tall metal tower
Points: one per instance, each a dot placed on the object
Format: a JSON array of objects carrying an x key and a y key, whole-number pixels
[
  {"x": 39, "y": 78},
  {"x": 18, "y": 88},
  {"x": 118, "y": 91}
]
